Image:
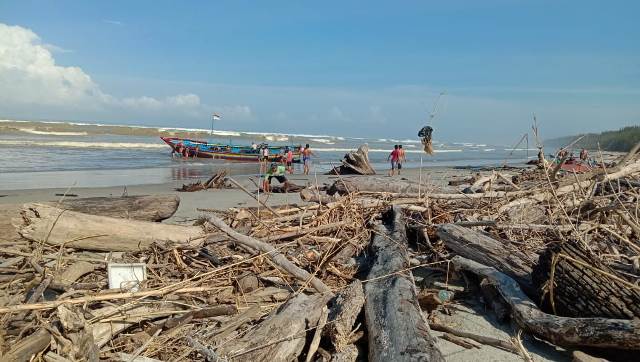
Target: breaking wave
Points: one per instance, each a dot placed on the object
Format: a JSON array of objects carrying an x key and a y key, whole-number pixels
[
  {"x": 80, "y": 144},
  {"x": 51, "y": 133}
]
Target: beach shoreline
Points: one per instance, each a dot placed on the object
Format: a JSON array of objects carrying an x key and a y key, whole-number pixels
[{"x": 220, "y": 199}]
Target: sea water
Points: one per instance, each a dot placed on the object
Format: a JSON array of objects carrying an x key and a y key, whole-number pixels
[{"x": 64, "y": 154}]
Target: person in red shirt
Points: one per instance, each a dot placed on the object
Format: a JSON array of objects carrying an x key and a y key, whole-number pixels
[
  {"x": 394, "y": 157},
  {"x": 289, "y": 157}
]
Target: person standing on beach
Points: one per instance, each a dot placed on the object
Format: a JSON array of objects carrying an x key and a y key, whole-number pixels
[
  {"x": 394, "y": 156},
  {"x": 306, "y": 158},
  {"x": 401, "y": 158},
  {"x": 264, "y": 159},
  {"x": 289, "y": 158}
]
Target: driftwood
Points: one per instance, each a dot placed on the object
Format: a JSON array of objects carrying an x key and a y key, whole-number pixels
[
  {"x": 28, "y": 347},
  {"x": 56, "y": 226},
  {"x": 355, "y": 163},
  {"x": 583, "y": 286},
  {"x": 73, "y": 272},
  {"x": 490, "y": 341},
  {"x": 563, "y": 331},
  {"x": 144, "y": 208},
  {"x": 120, "y": 320},
  {"x": 217, "y": 181},
  {"x": 282, "y": 336},
  {"x": 486, "y": 250},
  {"x": 275, "y": 256},
  {"x": 311, "y": 195},
  {"x": 345, "y": 308},
  {"x": 395, "y": 326},
  {"x": 345, "y": 186}
]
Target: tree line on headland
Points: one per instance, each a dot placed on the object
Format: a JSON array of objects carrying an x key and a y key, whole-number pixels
[{"x": 620, "y": 140}]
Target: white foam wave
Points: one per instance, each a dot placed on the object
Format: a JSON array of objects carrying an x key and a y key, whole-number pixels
[
  {"x": 78, "y": 144},
  {"x": 323, "y": 140},
  {"x": 489, "y": 149},
  {"x": 376, "y": 150},
  {"x": 51, "y": 133}
]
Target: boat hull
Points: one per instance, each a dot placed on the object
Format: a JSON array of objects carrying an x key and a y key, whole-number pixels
[{"x": 202, "y": 149}]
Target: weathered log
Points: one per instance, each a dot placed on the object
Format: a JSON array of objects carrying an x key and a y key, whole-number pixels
[
  {"x": 563, "y": 331},
  {"x": 144, "y": 208},
  {"x": 310, "y": 195},
  {"x": 484, "y": 249},
  {"x": 582, "y": 285},
  {"x": 26, "y": 348},
  {"x": 345, "y": 186},
  {"x": 395, "y": 326},
  {"x": 56, "y": 226},
  {"x": 355, "y": 163},
  {"x": 280, "y": 337},
  {"x": 345, "y": 308}
]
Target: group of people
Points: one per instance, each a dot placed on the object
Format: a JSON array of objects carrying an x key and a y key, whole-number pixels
[
  {"x": 564, "y": 154},
  {"x": 182, "y": 151},
  {"x": 279, "y": 170},
  {"x": 397, "y": 158}
]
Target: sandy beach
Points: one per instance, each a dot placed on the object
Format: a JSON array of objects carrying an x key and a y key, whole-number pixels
[
  {"x": 190, "y": 202},
  {"x": 470, "y": 316}
]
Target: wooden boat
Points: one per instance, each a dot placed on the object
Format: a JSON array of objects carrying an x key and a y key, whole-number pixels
[
  {"x": 576, "y": 166},
  {"x": 202, "y": 149}
]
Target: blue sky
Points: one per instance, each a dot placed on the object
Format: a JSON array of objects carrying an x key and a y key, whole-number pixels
[{"x": 334, "y": 67}]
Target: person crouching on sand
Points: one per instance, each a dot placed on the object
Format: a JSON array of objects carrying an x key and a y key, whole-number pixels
[
  {"x": 394, "y": 157},
  {"x": 278, "y": 172}
]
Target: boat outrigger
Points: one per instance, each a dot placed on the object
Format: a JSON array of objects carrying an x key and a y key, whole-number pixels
[{"x": 203, "y": 149}]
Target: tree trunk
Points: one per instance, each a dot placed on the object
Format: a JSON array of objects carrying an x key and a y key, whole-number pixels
[
  {"x": 55, "y": 226},
  {"x": 355, "y": 163},
  {"x": 581, "y": 288},
  {"x": 280, "y": 337},
  {"x": 395, "y": 326},
  {"x": 145, "y": 208},
  {"x": 486, "y": 250},
  {"x": 563, "y": 331},
  {"x": 345, "y": 186},
  {"x": 345, "y": 309}
]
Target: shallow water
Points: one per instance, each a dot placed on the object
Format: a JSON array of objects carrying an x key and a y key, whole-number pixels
[{"x": 38, "y": 155}]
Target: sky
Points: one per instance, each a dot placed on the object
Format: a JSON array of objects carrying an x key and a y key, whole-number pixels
[{"x": 350, "y": 68}]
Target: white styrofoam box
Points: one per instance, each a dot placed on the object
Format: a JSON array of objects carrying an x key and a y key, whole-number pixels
[{"x": 126, "y": 276}]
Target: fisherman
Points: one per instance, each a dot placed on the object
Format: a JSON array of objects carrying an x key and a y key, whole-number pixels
[
  {"x": 278, "y": 172},
  {"x": 562, "y": 153},
  {"x": 306, "y": 158},
  {"x": 584, "y": 155},
  {"x": 394, "y": 156},
  {"x": 401, "y": 158}
]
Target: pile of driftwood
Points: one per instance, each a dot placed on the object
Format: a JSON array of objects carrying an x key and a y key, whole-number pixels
[
  {"x": 217, "y": 181},
  {"x": 332, "y": 279}
]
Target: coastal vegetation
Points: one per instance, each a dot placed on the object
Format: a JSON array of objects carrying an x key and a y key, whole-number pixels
[{"x": 619, "y": 140}]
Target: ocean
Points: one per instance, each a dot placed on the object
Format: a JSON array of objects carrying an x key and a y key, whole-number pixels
[{"x": 67, "y": 154}]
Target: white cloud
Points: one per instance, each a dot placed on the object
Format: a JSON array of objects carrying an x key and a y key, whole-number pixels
[
  {"x": 30, "y": 79},
  {"x": 113, "y": 22}
]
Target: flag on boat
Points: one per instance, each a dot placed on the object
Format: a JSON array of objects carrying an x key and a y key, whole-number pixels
[{"x": 216, "y": 117}]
